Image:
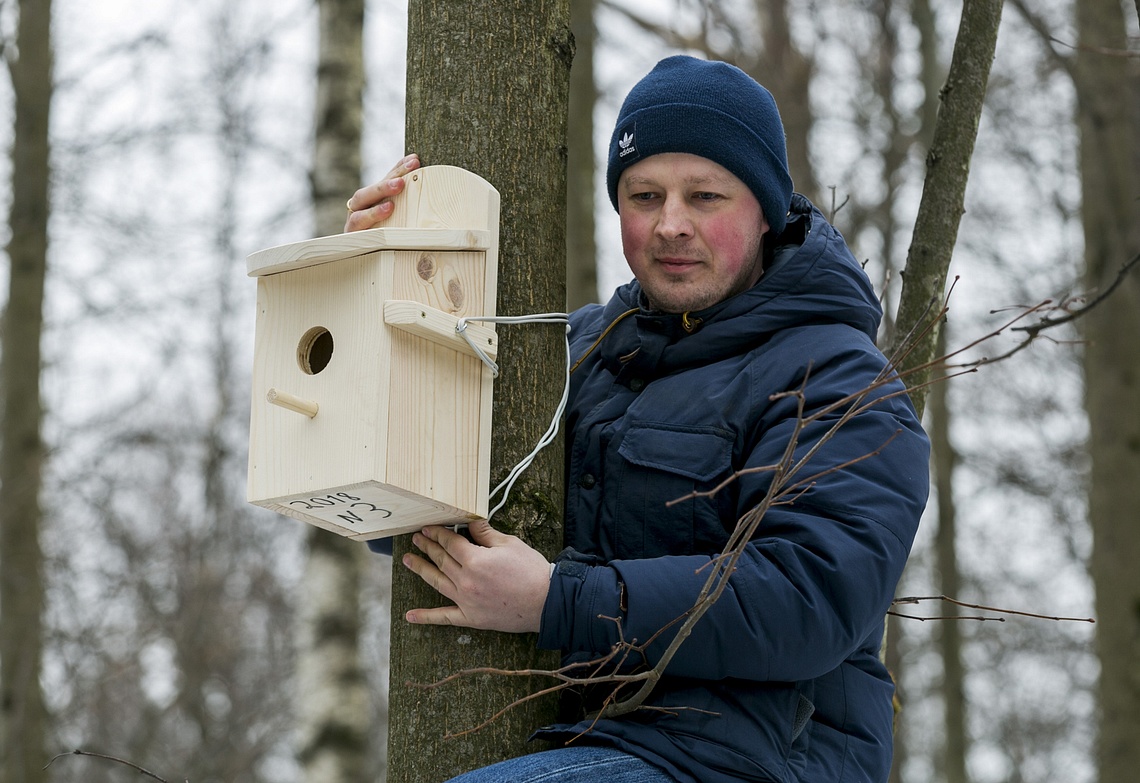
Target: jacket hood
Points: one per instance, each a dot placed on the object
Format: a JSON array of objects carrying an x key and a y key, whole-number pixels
[{"x": 813, "y": 279}]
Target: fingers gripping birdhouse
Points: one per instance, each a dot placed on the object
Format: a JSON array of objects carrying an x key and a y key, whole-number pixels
[{"x": 371, "y": 409}]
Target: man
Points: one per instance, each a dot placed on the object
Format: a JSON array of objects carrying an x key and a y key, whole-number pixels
[{"x": 742, "y": 291}]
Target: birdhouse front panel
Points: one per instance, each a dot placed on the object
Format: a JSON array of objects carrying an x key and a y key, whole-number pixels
[{"x": 370, "y": 413}]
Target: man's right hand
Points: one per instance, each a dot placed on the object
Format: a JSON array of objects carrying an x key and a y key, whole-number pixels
[{"x": 372, "y": 205}]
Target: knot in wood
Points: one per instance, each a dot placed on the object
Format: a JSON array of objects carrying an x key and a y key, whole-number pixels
[{"x": 455, "y": 293}]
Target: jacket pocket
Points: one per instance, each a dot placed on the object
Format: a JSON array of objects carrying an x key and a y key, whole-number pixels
[
  {"x": 743, "y": 729},
  {"x": 663, "y": 463}
]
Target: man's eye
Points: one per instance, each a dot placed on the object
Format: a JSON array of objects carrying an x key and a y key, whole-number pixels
[
  {"x": 703, "y": 196},
  {"x": 647, "y": 196}
]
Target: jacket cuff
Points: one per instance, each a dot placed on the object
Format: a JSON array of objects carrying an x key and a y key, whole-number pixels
[{"x": 581, "y": 607}]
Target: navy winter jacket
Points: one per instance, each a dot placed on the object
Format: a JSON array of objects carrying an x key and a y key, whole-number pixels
[{"x": 781, "y": 680}]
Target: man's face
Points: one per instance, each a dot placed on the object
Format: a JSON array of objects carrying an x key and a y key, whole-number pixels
[{"x": 691, "y": 231}]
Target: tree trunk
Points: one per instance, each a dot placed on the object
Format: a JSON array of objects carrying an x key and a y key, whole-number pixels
[
  {"x": 936, "y": 230},
  {"x": 581, "y": 246},
  {"x": 22, "y": 712},
  {"x": 487, "y": 91},
  {"x": 332, "y": 691},
  {"x": 945, "y": 459},
  {"x": 787, "y": 72},
  {"x": 894, "y": 658},
  {"x": 944, "y": 191},
  {"x": 1108, "y": 86},
  {"x": 931, "y": 76}
]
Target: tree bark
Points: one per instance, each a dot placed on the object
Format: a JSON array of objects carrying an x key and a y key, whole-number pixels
[
  {"x": 944, "y": 191},
  {"x": 787, "y": 72},
  {"x": 23, "y": 715},
  {"x": 931, "y": 76},
  {"x": 894, "y": 658},
  {"x": 954, "y": 704},
  {"x": 333, "y": 702},
  {"x": 487, "y": 90},
  {"x": 581, "y": 245},
  {"x": 1110, "y": 190}
]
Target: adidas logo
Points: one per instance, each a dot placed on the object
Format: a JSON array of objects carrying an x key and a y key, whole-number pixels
[{"x": 626, "y": 144}]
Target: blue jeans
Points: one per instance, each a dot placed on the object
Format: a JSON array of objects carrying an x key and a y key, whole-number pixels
[{"x": 577, "y": 764}]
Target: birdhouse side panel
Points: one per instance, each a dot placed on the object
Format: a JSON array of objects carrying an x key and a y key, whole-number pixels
[
  {"x": 446, "y": 411},
  {"x": 441, "y": 415}
]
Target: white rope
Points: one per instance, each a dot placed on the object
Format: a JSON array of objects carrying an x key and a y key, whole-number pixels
[
  {"x": 540, "y": 318},
  {"x": 551, "y": 431}
]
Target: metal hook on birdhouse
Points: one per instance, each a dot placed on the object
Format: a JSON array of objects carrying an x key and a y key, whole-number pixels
[
  {"x": 538, "y": 318},
  {"x": 461, "y": 330}
]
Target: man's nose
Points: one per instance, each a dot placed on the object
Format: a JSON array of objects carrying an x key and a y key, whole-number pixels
[{"x": 674, "y": 221}]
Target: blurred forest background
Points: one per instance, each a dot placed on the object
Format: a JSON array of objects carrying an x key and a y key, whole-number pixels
[{"x": 170, "y": 629}]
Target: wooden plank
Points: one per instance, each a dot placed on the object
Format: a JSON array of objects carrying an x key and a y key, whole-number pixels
[
  {"x": 411, "y": 415},
  {"x": 442, "y": 413},
  {"x": 323, "y": 250},
  {"x": 346, "y": 441},
  {"x": 368, "y": 510},
  {"x": 439, "y": 327}
]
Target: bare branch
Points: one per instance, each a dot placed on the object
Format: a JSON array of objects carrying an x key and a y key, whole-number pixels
[
  {"x": 124, "y": 762},
  {"x": 1072, "y": 315},
  {"x": 914, "y": 599},
  {"x": 1041, "y": 28},
  {"x": 922, "y": 619},
  {"x": 1126, "y": 54},
  {"x": 664, "y": 32},
  {"x": 836, "y": 208}
]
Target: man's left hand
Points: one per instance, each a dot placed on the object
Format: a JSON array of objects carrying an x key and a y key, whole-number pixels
[{"x": 498, "y": 583}]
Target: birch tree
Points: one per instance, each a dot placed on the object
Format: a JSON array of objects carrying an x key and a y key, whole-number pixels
[
  {"x": 333, "y": 704},
  {"x": 168, "y": 608}
]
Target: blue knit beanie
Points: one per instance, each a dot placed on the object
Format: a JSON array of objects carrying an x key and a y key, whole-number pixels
[{"x": 711, "y": 109}]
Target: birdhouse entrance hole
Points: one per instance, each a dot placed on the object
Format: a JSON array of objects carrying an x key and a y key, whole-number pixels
[{"x": 314, "y": 352}]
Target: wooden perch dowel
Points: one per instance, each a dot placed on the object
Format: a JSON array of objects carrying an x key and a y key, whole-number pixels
[{"x": 292, "y": 403}]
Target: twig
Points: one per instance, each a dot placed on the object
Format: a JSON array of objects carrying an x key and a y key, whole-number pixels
[
  {"x": 1125, "y": 53},
  {"x": 124, "y": 762},
  {"x": 923, "y": 619},
  {"x": 914, "y": 599},
  {"x": 1073, "y": 315},
  {"x": 504, "y": 710},
  {"x": 835, "y": 209}
]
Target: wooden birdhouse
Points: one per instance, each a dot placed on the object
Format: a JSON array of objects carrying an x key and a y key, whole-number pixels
[{"x": 371, "y": 412}]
